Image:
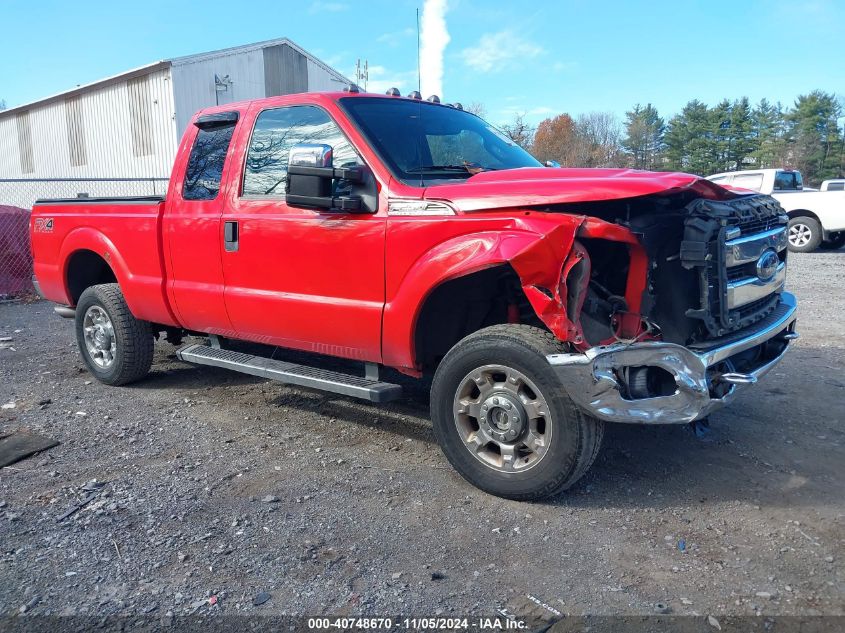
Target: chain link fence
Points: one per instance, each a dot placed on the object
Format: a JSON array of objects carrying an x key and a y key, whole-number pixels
[
  {"x": 23, "y": 192},
  {"x": 17, "y": 195},
  {"x": 15, "y": 255}
]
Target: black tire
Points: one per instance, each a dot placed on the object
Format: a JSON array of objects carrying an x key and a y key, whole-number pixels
[
  {"x": 834, "y": 242},
  {"x": 133, "y": 339},
  {"x": 810, "y": 231},
  {"x": 576, "y": 437}
]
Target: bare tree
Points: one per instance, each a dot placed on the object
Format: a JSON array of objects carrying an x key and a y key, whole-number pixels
[
  {"x": 519, "y": 131},
  {"x": 598, "y": 140},
  {"x": 476, "y": 108}
]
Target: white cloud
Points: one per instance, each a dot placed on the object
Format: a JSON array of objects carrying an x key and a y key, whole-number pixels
[
  {"x": 327, "y": 7},
  {"x": 398, "y": 37},
  {"x": 434, "y": 37},
  {"x": 496, "y": 51}
]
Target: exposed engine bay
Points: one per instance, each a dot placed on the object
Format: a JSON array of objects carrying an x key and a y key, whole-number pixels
[{"x": 705, "y": 277}]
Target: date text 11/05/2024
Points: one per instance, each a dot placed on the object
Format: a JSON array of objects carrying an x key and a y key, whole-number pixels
[{"x": 417, "y": 624}]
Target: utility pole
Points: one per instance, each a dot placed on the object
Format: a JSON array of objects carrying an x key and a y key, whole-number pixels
[{"x": 362, "y": 74}]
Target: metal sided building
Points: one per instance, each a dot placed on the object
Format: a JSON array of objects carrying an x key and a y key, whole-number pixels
[{"x": 119, "y": 135}]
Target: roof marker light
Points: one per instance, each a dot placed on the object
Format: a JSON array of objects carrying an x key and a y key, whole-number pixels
[
  {"x": 353, "y": 88},
  {"x": 414, "y": 95},
  {"x": 434, "y": 99},
  {"x": 457, "y": 105},
  {"x": 393, "y": 92}
]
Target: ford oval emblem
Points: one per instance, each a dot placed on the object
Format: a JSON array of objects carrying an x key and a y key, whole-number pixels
[{"x": 767, "y": 265}]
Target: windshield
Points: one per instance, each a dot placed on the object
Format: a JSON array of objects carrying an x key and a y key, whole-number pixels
[{"x": 423, "y": 142}]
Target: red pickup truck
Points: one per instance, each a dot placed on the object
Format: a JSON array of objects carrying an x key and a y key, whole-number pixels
[{"x": 411, "y": 234}]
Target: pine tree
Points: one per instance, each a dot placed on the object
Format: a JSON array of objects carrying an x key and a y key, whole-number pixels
[
  {"x": 644, "y": 136},
  {"x": 814, "y": 137},
  {"x": 688, "y": 138},
  {"x": 742, "y": 142},
  {"x": 768, "y": 124}
]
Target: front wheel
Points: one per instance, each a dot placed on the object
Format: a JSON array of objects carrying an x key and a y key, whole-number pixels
[
  {"x": 116, "y": 347},
  {"x": 804, "y": 234},
  {"x": 503, "y": 419}
]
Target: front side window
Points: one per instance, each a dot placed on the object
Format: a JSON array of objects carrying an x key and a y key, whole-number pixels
[
  {"x": 205, "y": 164},
  {"x": 421, "y": 141},
  {"x": 276, "y": 132}
]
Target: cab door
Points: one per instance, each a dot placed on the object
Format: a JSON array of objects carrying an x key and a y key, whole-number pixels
[
  {"x": 191, "y": 224},
  {"x": 301, "y": 278}
]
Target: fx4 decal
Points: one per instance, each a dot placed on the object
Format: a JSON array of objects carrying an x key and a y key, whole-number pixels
[{"x": 43, "y": 225}]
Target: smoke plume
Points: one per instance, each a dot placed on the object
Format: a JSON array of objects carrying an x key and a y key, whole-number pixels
[{"x": 433, "y": 40}]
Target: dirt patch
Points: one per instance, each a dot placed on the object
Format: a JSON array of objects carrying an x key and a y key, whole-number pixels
[{"x": 223, "y": 485}]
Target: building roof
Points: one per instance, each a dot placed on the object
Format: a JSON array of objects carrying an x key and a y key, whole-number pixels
[{"x": 175, "y": 61}]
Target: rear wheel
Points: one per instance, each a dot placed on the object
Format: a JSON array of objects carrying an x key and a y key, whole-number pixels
[
  {"x": 804, "y": 234},
  {"x": 503, "y": 419},
  {"x": 116, "y": 347},
  {"x": 834, "y": 242}
]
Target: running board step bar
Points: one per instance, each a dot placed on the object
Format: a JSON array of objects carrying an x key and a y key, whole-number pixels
[{"x": 291, "y": 373}]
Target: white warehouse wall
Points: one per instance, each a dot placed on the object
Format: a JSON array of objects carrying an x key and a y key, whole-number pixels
[
  {"x": 321, "y": 80},
  {"x": 129, "y": 126},
  {"x": 193, "y": 81},
  {"x": 106, "y": 132},
  {"x": 193, "y": 77}
]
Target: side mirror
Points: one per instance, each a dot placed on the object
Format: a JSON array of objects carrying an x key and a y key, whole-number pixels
[
  {"x": 552, "y": 163},
  {"x": 311, "y": 155},
  {"x": 311, "y": 176}
]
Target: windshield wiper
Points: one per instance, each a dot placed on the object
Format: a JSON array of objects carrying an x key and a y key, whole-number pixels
[{"x": 425, "y": 168}]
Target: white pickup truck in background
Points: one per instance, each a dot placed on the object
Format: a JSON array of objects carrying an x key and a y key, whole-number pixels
[
  {"x": 816, "y": 218},
  {"x": 837, "y": 184}
]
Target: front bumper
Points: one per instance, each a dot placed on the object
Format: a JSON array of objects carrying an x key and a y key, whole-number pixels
[{"x": 706, "y": 377}]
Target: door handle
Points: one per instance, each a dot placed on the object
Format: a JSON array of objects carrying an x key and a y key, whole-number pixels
[{"x": 230, "y": 236}]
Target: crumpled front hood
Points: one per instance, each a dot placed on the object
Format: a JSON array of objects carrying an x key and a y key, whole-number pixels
[{"x": 536, "y": 186}]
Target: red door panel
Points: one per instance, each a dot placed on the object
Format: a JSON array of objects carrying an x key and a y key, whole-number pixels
[
  {"x": 306, "y": 280},
  {"x": 300, "y": 278}
]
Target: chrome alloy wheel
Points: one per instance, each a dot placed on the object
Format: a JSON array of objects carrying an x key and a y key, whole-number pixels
[
  {"x": 800, "y": 234},
  {"x": 502, "y": 418},
  {"x": 100, "y": 340}
]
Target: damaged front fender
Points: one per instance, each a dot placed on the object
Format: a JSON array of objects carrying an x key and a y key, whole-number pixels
[{"x": 553, "y": 269}]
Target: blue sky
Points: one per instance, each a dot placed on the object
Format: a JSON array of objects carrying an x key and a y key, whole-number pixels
[{"x": 538, "y": 58}]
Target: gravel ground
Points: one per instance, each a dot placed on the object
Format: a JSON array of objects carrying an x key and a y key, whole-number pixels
[{"x": 217, "y": 488}]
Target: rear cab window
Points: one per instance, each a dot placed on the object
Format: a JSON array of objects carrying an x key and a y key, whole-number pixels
[
  {"x": 208, "y": 155},
  {"x": 788, "y": 181}
]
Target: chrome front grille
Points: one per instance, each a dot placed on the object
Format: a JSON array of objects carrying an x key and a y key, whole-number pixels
[
  {"x": 748, "y": 278},
  {"x": 737, "y": 248},
  {"x": 748, "y": 248},
  {"x": 751, "y": 289}
]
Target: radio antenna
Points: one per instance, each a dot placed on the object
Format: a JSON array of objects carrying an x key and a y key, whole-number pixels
[{"x": 419, "y": 79}]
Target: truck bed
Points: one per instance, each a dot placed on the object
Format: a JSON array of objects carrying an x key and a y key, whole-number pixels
[{"x": 71, "y": 236}]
